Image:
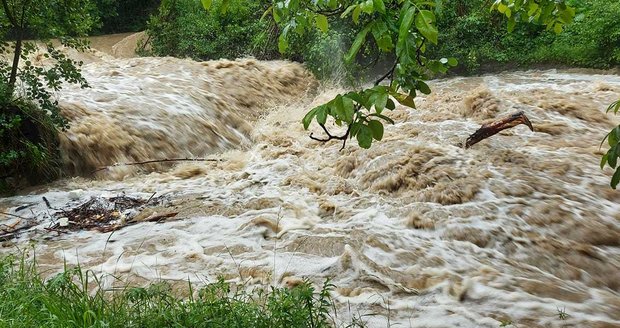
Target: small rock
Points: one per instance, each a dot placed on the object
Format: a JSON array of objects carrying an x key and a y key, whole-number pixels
[
  {"x": 76, "y": 194},
  {"x": 63, "y": 222}
]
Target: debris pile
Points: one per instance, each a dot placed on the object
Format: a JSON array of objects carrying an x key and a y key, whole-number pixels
[{"x": 102, "y": 214}]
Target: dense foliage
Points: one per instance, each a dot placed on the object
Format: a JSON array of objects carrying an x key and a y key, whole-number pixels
[
  {"x": 117, "y": 16},
  {"x": 75, "y": 298},
  {"x": 182, "y": 28},
  {"x": 481, "y": 41},
  {"x": 612, "y": 156},
  {"x": 29, "y": 113}
]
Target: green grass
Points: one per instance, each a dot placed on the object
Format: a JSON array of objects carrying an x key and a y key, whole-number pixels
[{"x": 74, "y": 298}]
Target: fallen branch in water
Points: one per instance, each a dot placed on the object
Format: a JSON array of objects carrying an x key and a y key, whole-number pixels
[
  {"x": 167, "y": 160},
  {"x": 13, "y": 215},
  {"x": 7, "y": 235},
  {"x": 492, "y": 128}
]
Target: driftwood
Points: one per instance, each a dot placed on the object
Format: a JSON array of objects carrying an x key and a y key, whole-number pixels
[
  {"x": 10, "y": 234},
  {"x": 492, "y": 128}
]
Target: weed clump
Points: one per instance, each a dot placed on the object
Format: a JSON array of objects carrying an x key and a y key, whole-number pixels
[{"x": 75, "y": 298}]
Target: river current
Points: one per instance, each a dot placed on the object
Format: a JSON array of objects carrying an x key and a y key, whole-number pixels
[{"x": 416, "y": 231}]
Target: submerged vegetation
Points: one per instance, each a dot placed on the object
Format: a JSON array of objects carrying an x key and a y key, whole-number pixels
[{"x": 76, "y": 298}]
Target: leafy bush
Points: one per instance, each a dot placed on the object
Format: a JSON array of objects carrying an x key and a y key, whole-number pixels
[
  {"x": 613, "y": 154},
  {"x": 182, "y": 28},
  {"x": 74, "y": 298},
  {"x": 29, "y": 113},
  {"x": 28, "y": 144},
  {"x": 481, "y": 41},
  {"x": 117, "y": 16}
]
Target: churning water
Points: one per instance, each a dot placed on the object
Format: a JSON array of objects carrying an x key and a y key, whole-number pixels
[{"x": 417, "y": 228}]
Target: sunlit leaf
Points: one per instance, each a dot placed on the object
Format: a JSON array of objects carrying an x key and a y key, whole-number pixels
[
  {"x": 309, "y": 117},
  {"x": 321, "y": 23},
  {"x": 403, "y": 31},
  {"x": 379, "y": 6},
  {"x": 424, "y": 21},
  {"x": 207, "y": 4},
  {"x": 405, "y": 100},
  {"x": 357, "y": 43}
]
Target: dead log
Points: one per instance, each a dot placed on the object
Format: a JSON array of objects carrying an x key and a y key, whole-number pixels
[{"x": 492, "y": 128}]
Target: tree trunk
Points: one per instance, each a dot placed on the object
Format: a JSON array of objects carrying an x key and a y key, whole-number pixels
[
  {"x": 16, "y": 57},
  {"x": 10, "y": 15}
]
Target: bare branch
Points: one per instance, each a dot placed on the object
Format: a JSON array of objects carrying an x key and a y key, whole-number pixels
[
  {"x": 418, "y": 52},
  {"x": 493, "y": 128},
  {"x": 389, "y": 73},
  {"x": 167, "y": 160},
  {"x": 343, "y": 137}
]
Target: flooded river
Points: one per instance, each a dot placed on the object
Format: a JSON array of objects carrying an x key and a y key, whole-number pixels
[{"x": 415, "y": 231}]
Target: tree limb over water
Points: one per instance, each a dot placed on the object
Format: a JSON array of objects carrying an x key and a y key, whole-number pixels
[{"x": 492, "y": 128}]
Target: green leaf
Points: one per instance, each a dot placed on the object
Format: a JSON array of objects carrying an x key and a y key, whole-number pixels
[
  {"x": 403, "y": 31},
  {"x": 532, "y": 8},
  {"x": 379, "y": 6},
  {"x": 614, "y": 137},
  {"x": 453, "y": 61},
  {"x": 511, "y": 24},
  {"x": 612, "y": 157},
  {"x": 381, "y": 102},
  {"x": 348, "y": 11},
  {"x": 390, "y": 105},
  {"x": 267, "y": 12},
  {"x": 283, "y": 40},
  {"x": 424, "y": 22},
  {"x": 557, "y": 28},
  {"x": 615, "y": 107},
  {"x": 207, "y": 4},
  {"x": 343, "y": 108},
  {"x": 356, "y": 14},
  {"x": 321, "y": 114},
  {"x": 615, "y": 179},
  {"x": 368, "y": 6},
  {"x": 357, "y": 43},
  {"x": 357, "y": 98},
  {"x": 424, "y": 88},
  {"x": 364, "y": 136},
  {"x": 385, "y": 118},
  {"x": 502, "y": 8},
  {"x": 405, "y": 100},
  {"x": 309, "y": 116},
  {"x": 321, "y": 23},
  {"x": 604, "y": 161},
  {"x": 224, "y": 6},
  {"x": 355, "y": 128},
  {"x": 377, "y": 129}
]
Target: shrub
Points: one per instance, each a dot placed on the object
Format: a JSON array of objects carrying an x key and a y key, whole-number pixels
[
  {"x": 74, "y": 298},
  {"x": 480, "y": 41},
  {"x": 182, "y": 28},
  {"x": 28, "y": 145}
]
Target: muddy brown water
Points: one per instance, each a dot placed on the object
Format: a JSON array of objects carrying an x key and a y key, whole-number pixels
[{"x": 519, "y": 226}]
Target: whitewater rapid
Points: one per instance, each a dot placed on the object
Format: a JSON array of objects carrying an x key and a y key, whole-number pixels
[{"x": 416, "y": 228}]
